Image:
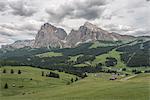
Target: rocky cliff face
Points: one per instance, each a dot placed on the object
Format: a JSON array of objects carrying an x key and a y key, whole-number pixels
[
  {"x": 90, "y": 33},
  {"x": 19, "y": 44},
  {"x": 50, "y": 36}
]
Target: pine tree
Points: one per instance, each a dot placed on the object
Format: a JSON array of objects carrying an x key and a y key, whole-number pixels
[
  {"x": 11, "y": 71},
  {"x": 42, "y": 73},
  {"x": 6, "y": 86},
  {"x": 4, "y": 71},
  {"x": 19, "y": 71},
  {"x": 72, "y": 80},
  {"x": 76, "y": 79}
]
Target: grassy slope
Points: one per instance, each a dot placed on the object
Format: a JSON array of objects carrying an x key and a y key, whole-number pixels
[
  {"x": 49, "y": 54},
  {"x": 101, "y": 44},
  {"x": 114, "y": 54},
  {"x": 74, "y": 58},
  {"x": 37, "y": 84},
  {"x": 94, "y": 88}
]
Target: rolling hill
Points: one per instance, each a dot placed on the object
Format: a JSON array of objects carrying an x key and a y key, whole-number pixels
[{"x": 95, "y": 87}]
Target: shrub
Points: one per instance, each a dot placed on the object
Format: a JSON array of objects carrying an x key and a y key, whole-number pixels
[
  {"x": 138, "y": 72},
  {"x": 124, "y": 69},
  {"x": 147, "y": 71}
]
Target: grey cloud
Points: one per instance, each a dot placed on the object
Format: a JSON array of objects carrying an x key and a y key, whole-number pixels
[
  {"x": 3, "y": 6},
  {"x": 5, "y": 34},
  {"x": 22, "y": 27},
  {"x": 21, "y": 8},
  {"x": 89, "y": 9},
  {"x": 62, "y": 12}
]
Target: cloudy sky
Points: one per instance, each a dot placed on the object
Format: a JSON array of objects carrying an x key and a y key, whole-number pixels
[{"x": 21, "y": 19}]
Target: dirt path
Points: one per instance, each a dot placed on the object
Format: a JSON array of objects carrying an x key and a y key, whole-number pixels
[{"x": 127, "y": 78}]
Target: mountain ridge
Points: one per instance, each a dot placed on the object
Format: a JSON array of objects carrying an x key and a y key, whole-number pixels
[{"x": 51, "y": 36}]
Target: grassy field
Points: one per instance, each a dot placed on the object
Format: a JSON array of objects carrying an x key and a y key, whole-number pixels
[
  {"x": 49, "y": 54},
  {"x": 74, "y": 58},
  {"x": 94, "y": 87},
  {"x": 31, "y": 79},
  {"x": 114, "y": 54},
  {"x": 101, "y": 44}
]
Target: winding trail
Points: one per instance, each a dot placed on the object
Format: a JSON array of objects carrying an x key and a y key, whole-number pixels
[{"x": 127, "y": 78}]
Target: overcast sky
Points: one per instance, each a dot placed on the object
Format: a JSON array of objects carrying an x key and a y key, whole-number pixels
[{"x": 21, "y": 19}]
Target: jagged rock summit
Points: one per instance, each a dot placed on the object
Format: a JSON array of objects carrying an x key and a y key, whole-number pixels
[
  {"x": 90, "y": 33},
  {"x": 52, "y": 37},
  {"x": 19, "y": 44}
]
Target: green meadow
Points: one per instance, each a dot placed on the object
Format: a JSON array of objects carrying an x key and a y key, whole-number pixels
[
  {"x": 31, "y": 85},
  {"x": 49, "y": 54}
]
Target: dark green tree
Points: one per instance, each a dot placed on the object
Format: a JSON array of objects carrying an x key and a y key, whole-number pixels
[
  {"x": 72, "y": 80},
  {"x": 6, "y": 86},
  {"x": 42, "y": 73},
  {"x": 76, "y": 79},
  {"x": 4, "y": 71},
  {"x": 124, "y": 69},
  {"x": 11, "y": 71},
  {"x": 19, "y": 71}
]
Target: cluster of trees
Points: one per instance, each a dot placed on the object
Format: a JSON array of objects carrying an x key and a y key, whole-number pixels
[
  {"x": 110, "y": 61},
  {"x": 84, "y": 58},
  {"x": 11, "y": 71},
  {"x": 139, "y": 59},
  {"x": 26, "y": 57},
  {"x": 147, "y": 71},
  {"x": 51, "y": 74},
  {"x": 85, "y": 50},
  {"x": 135, "y": 56},
  {"x": 136, "y": 71}
]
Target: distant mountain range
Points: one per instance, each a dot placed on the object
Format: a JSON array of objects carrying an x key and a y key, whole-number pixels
[{"x": 53, "y": 37}]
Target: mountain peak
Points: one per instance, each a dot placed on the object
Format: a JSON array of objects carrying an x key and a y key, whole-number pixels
[
  {"x": 49, "y": 36},
  {"x": 90, "y": 26},
  {"x": 47, "y": 25}
]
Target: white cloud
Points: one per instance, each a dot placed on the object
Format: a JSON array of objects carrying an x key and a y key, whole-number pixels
[{"x": 21, "y": 19}]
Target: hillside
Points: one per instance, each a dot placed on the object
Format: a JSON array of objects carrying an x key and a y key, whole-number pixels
[
  {"x": 94, "y": 54},
  {"x": 96, "y": 86},
  {"x": 30, "y": 81}
]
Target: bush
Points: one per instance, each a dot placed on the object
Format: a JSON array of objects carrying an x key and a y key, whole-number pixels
[
  {"x": 134, "y": 70},
  {"x": 138, "y": 72},
  {"x": 124, "y": 69},
  {"x": 147, "y": 71}
]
